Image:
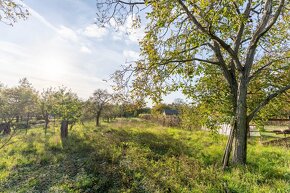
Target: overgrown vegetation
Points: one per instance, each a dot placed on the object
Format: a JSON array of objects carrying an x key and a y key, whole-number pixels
[{"x": 129, "y": 155}]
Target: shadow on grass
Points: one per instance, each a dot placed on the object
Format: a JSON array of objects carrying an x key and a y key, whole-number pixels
[{"x": 94, "y": 162}]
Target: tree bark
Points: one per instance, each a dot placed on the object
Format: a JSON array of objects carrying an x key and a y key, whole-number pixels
[
  {"x": 229, "y": 146},
  {"x": 240, "y": 141},
  {"x": 64, "y": 129},
  {"x": 27, "y": 120},
  {"x": 98, "y": 119},
  {"x": 46, "y": 124},
  {"x": 5, "y": 127}
]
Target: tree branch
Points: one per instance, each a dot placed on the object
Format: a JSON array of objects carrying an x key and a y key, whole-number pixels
[
  {"x": 261, "y": 30},
  {"x": 264, "y": 67},
  {"x": 266, "y": 101},
  {"x": 212, "y": 35},
  {"x": 246, "y": 14}
]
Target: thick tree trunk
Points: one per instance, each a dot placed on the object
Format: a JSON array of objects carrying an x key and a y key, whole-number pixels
[
  {"x": 64, "y": 129},
  {"x": 98, "y": 119},
  {"x": 240, "y": 141},
  {"x": 5, "y": 128}
]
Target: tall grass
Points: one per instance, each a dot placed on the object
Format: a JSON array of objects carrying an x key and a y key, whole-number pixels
[{"x": 136, "y": 156}]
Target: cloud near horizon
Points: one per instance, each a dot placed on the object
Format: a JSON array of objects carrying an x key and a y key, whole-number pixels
[{"x": 56, "y": 52}]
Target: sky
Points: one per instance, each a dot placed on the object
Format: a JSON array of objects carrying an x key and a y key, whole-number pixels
[{"x": 59, "y": 45}]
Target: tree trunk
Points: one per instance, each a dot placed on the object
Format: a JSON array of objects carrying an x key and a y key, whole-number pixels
[
  {"x": 5, "y": 127},
  {"x": 228, "y": 149},
  {"x": 64, "y": 129},
  {"x": 46, "y": 124},
  {"x": 240, "y": 141},
  {"x": 98, "y": 119},
  {"x": 17, "y": 118},
  {"x": 27, "y": 120}
]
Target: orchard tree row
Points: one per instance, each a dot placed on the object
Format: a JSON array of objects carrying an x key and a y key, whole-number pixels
[{"x": 22, "y": 103}]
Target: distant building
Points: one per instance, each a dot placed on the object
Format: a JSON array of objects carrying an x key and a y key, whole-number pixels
[{"x": 169, "y": 112}]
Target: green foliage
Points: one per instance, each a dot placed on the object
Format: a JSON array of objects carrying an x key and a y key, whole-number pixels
[
  {"x": 66, "y": 105},
  {"x": 135, "y": 156},
  {"x": 159, "y": 108},
  {"x": 206, "y": 49},
  {"x": 17, "y": 101},
  {"x": 46, "y": 102},
  {"x": 191, "y": 117}
]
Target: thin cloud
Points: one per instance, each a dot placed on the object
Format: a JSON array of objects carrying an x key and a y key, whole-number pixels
[
  {"x": 94, "y": 31},
  {"x": 68, "y": 33},
  {"x": 86, "y": 50}
]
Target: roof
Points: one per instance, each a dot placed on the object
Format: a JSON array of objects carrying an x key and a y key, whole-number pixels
[{"x": 170, "y": 112}]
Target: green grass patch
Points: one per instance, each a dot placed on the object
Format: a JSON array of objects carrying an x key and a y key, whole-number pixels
[{"x": 136, "y": 156}]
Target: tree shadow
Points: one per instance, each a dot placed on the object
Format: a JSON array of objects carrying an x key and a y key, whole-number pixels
[{"x": 82, "y": 164}]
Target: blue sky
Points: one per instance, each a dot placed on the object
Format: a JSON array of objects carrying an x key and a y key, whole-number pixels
[{"x": 59, "y": 44}]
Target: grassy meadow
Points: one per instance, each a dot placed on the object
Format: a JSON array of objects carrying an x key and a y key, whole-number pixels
[{"x": 135, "y": 156}]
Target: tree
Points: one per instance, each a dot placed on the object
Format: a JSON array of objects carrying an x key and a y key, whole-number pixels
[
  {"x": 11, "y": 11},
  {"x": 243, "y": 45},
  {"x": 46, "y": 104},
  {"x": 67, "y": 106},
  {"x": 159, "y": 108},
  {"x": 97, "y": 102},
  {"x": 28, "y": 99},
  {"x": 9, "y": 107}
]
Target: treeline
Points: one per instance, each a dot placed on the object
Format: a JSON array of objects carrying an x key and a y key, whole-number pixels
[{"x": 21, "y": 106}]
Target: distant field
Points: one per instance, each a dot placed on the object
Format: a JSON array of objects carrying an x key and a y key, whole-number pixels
[
  {"x": 136, "y": 156},
  {"x": 275, "y": 127},
  {"x": 268, "y": 134}
]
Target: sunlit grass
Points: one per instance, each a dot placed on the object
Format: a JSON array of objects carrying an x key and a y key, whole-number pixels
[{"x": 136, "y": 156}]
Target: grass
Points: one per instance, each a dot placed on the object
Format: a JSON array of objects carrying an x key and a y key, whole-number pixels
[{"x": 136, "y": 156}]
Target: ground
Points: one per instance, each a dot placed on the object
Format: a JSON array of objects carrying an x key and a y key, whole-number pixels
[{"x": 136, "y": 156}]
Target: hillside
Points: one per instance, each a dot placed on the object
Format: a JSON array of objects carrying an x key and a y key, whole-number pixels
[{"x": 135, "y": 156}]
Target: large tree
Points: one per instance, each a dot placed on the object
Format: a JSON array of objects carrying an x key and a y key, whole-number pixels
[{"x": 242, "y": 45}]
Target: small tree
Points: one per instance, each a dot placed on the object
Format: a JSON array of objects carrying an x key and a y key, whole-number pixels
[
  {"x": 28, "y": 99},
  {"x": 97, "y": 103},
  {"x": 9, "y": 107},
  {"x": 46, "y": 102},
  {"x": 67, "y": 106}
]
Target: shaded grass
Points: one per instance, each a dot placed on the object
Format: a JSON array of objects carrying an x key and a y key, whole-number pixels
[{"x": 136, "y": 156}]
